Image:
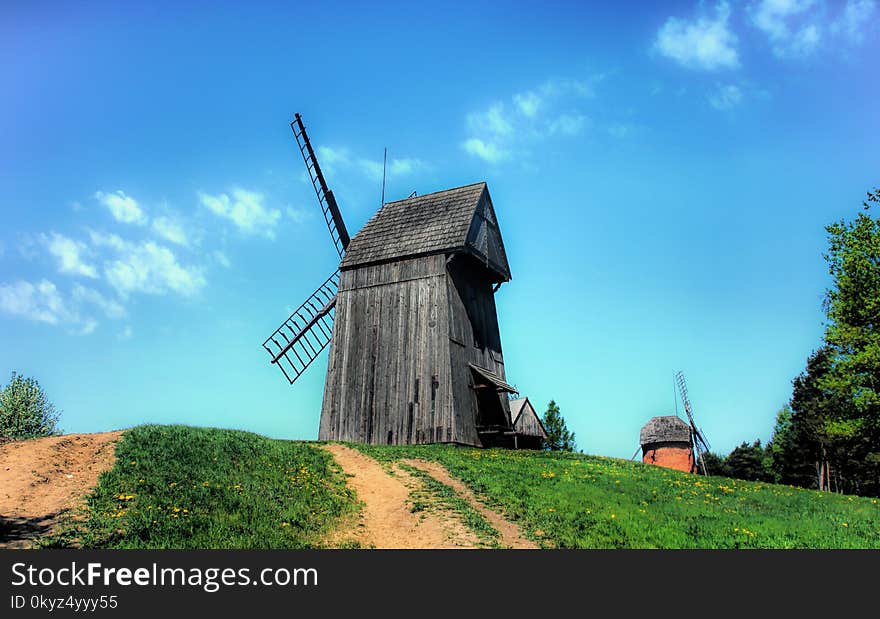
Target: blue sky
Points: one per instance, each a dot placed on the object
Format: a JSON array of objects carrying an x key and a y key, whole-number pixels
[{"x": 661, "y": 174}]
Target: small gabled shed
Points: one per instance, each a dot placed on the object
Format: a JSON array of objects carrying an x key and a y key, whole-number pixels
[{"x": 529, "y": 431}]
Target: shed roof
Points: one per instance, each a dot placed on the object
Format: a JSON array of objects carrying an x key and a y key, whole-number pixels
[
  {"x": 665, "y": 429},
  {"x": 458, "y": 219},
  {"x": 492, "y": 378}
]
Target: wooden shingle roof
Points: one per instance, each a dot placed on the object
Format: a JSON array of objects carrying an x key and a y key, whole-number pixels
[
  {"x": 444, "y": 221},
  {"x": 665, "y": 429}
]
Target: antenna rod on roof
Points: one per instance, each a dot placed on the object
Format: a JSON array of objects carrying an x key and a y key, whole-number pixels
[{"x": 384, "y": 159}]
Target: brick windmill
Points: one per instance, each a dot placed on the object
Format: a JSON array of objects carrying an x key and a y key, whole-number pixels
[{"x": 410, "y": 318}]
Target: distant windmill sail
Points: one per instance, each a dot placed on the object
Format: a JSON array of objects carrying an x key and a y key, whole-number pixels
[{"x": 699, "y": 442}]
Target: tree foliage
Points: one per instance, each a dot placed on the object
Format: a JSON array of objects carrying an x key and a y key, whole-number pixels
[
  {"x": 828, "y": 437},
  {"x": 558, "y": 436},
  {"x": 748, "y": 462},
  {"x": 25, "y": 410},
  {"x": 852, "y": 306}
]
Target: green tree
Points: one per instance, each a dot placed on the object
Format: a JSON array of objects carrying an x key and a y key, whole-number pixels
[
  {"x": 852, "y": 306},
  {"x": 747, "y": 462},
  {"x": 25, "y": 411},
  {"x": 558, "y": 436},
  {"x": 852, "y": 335},
  {"x": 715, "y": 464},
  {"x": 792, "y": 451}
]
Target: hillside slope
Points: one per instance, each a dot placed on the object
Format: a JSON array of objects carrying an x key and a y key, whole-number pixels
[
  {"x": 579, "y": 501},
  {"x": 183, "y": 487}
]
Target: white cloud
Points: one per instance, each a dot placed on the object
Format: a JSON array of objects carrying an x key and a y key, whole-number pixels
[
  {"x": 297, "y": 215},
  {"x": 43, "y": 302},
  {"x": 123, "y": 208},
  {"x": 40, "y": 302},
  {"x": 371, "y": 169},
  {"x": 125, "y": 334},
  {"x": 88, "y": 296},
  {"x": 505, "y": 129},
  {"x": 567, "y": 124},
  {"x": 405, "y": 166},
  {"x": 331, "y": 156},
  {"x": 146, "y": 267},
  {"x": 246, "y": 210},
  {"x": 222, "y": 259},
  {"x": 725, "y": 97},
  {"x": 171, "y": 229},
  {"x": 486, "y": 151},
  {"x": 856, "y": 15},
  {"x": 792, "y": 27},
  {"x": 493, "y": 121},
  {"x": 395, "y": 168},
  {"x": 69, "y": 254},
  {"x": 527, "y": 103},
  {"x": 701, "y": 43}
]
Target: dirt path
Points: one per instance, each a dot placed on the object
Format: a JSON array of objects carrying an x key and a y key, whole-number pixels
[
  {"x": 511, "y": 536},
  {"x": 42, "y": 478},
  {"x": 387, "y": 519}
]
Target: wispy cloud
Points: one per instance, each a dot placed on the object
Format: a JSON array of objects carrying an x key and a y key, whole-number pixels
[
  {"x": 69, "y": 255},
  {"x": 792, "y": 28},
  {"x": 40, "y": 302},
  {"x": 111, "y": 308},
  {"x": 44, "y": 302},
  {"x": 146, "y": 267},
  {"x": 222, "y": 259},
  {"x": 245, "y": 209},
  {"x": 124, "y": 208},
  {"x": 854, "y": 19},
  {"x": 337, "y": 160},
  {"x": 725, "y": 97},
  {"x": 506, "y": 128},
  {"x": 490, "y": 151},
  {"x": 171, "y": 229},
  {"x": 704, "y": 42},
  {"x": 799, "y": 28}
]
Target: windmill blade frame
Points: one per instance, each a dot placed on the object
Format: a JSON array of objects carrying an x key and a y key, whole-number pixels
[
  {"x": 326, "y": 200},
  {"x": 306, "y": 332},
  {"x": 698, "y": 441}
]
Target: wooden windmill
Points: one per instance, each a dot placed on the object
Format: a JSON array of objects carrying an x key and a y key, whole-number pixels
[{"x": 409, "y": 315}]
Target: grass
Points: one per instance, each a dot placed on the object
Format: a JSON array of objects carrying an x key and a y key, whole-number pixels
[
  {"x": 185, "y": 487},
  {"x": 579, "y": 501}
]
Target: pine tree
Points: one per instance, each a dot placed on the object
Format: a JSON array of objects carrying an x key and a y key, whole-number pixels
[{"x": 558, "y": 436}]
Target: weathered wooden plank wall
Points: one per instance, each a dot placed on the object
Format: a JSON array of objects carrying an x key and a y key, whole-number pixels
[
  {"x": 404, "y": 334},
  {"x": 474, "y": 337},
  {"x": 528, "y": 422},
  {"x": 388, "y": 380}
]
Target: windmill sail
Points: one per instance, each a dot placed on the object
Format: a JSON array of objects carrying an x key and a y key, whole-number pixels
[
  {"x": 306, "y": 332},
  {"x": 699, "y": 442},
  {"x": 329, "y": 208}
]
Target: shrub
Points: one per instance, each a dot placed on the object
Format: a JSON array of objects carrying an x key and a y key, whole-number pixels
[{"x": 25, "y": 411}]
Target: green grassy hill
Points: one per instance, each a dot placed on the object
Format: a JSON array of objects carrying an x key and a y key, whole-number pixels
[
  {"x": 579, "y": 501},
  {"x": 183, "y": 487}
]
